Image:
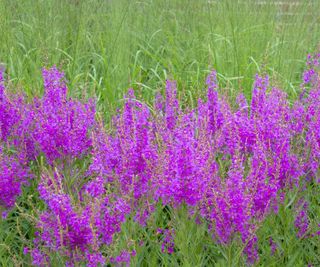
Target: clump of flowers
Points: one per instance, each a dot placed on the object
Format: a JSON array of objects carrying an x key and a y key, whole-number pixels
[
  {"x": 309, "y": 103},
  {"x": 76, "y": 227},
  {"x": 14, "y": 173},
  {"x": 8, "y": 116},
  {"x": 123, "y": 159},
  {"x": 301, "y": 222},
  {"x": 53, "y": 125},
  {"x": 167, "y": 245},
  {"x": 61, "y": 125},
  {"x": 231, "y": 166}
]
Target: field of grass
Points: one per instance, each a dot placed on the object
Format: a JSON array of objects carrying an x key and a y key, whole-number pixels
[{"x": 105, "y": 47}]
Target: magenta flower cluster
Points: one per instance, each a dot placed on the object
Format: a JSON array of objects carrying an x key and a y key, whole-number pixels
[
  {"x": 61, "y": 124},
  {"x": 77, "y": 232},
  {"x": 53, "y": 126},
  {"x": 14, "y": 173},
  {"x": 232, "y": 165}
]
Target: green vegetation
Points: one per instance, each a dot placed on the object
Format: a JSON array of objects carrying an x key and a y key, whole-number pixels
[{"x": 107, "y": 46}]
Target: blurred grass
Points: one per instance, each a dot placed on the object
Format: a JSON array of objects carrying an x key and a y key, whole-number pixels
[{"x": 106, "y": 46}]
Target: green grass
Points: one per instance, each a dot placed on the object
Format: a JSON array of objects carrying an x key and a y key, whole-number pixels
[{"x": 107, "y": 46}]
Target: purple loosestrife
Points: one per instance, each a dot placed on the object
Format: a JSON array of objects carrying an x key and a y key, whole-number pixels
[
  {"x": 76, "y": 228},
  {"x": 167, "y": 245},
  {"x": 54, "y": 124},
  {"x": 229, "y": 164},
  {"x": 176, "y": 178},
  {"x": 124, "y": 158},
  {"x": 123, "y": 258},
  {"x": 215, "y": 115},
  {"x": 61, "y": 125},
  {"x": 251, "y": 250},
  {"x": 306, "y": 119},
  {"x": 21, "y": 136},
  {"x": 4, "y": 114},
  {"x": 311, "y": 75},
  {"x": 16, "y": 120},
  {"x": 9, "y": 116},
  {"x": 112, "y": 211},
  {"x": 272, "y": 162},
  {"x": 172, "y": 105},
  {"x": 227, "y": 206},
  {"x": 62, "y": 228},
  {"x": 13, "y": 174},
  {"x": 273, "y": 246},
  {"x": 105, "y": 158},
  {"x": 275, "y": 164},
  {"x": 179, "y": 174},
  {"x": 244, "y": 125},
  {"x": 301, "y": 222},
  {"x": 261, "y": 143},
  {"x": 14, "y": 170},
  {"x": 312, "y": 121}
]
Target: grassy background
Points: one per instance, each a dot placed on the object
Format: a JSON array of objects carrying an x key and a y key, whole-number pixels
[{"x": 106, "y": 46}]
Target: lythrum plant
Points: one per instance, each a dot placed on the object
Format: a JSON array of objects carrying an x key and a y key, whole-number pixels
[{"x": 228, "y": 167}]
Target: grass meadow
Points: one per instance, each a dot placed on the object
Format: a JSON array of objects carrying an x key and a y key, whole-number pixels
[{"x": 105, "y": 47}]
